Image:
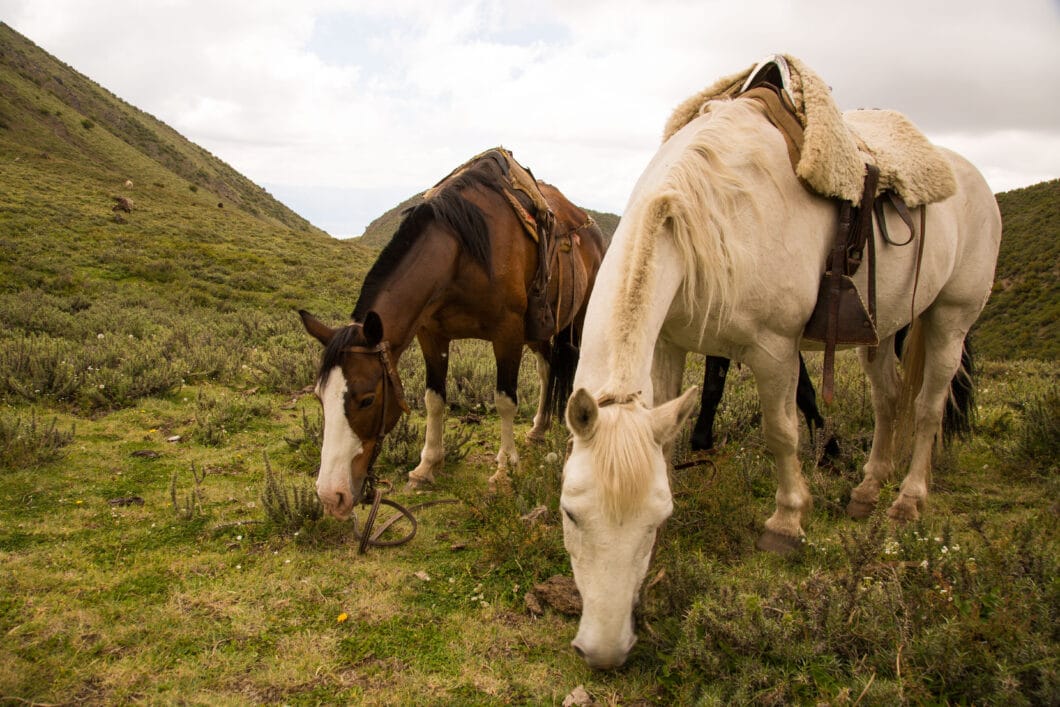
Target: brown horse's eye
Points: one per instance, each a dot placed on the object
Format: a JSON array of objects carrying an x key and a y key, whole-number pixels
[{"x": 366, "y": 402}]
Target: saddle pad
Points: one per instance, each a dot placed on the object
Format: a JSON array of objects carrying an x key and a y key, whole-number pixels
[
  {"x": 835, "y": 149},
  {"x": 909, "y": 164}
]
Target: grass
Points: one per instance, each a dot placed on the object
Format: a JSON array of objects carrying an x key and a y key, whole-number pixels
[{"x": 107, "y": 603}]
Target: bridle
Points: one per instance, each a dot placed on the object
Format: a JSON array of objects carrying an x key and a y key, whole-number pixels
[{"x": 373, "y": 488}]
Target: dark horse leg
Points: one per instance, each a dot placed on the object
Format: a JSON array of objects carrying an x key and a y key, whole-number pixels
[
  {"x": 714, "y": 386},
  {"x": 436, "y": 358}
]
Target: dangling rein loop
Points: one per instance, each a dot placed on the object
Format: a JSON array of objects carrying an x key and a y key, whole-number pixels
[{"x": 368, "y": 538}]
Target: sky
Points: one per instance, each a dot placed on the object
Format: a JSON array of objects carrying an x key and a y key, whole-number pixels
[{"x": 343, "y": 108}]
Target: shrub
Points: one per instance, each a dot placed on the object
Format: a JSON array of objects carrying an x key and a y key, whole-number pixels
[
  {"x": 1037, "y": 440},
  {"x": 191, "y": 505},
  {"x": 28, "y": 445},
  {"x": 217, "y": 418},
  {"x": 289, "y": 505},
  {"x": 916, "y": 617}
]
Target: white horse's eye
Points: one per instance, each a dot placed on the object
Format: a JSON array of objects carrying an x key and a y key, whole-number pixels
[{"x": 570, "y": 516}]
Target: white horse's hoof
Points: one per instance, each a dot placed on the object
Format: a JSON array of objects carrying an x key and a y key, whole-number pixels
[
  {"x": 772, "y": 541},
  {"x": 860, "y": 510},
  {"x": 905, "y": 509},
  {"x": 500, "y": 483},
  {"x": 535, "y": 437}
]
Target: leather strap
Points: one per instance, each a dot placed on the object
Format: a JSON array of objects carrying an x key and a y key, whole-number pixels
[{"x": 781, "y": 114}]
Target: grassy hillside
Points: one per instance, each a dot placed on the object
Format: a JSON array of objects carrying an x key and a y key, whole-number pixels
[
  {"x": 54, "y": 109},
  {"x": 1020, "y": 320},
  {"x": 198, "y": 276}
]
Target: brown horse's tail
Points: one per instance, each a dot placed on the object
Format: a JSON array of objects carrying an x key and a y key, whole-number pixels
[
  {"x": 563, "y": 360},
  {"x": 959, "y": 414}
]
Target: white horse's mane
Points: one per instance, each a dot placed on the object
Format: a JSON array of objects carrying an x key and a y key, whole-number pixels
[{"x": 698, "y": 205}]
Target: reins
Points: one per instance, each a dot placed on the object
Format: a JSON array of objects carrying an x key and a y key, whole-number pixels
[{"x": 374, "y": 488}]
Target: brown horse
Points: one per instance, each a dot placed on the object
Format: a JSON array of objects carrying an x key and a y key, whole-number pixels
[{"x": 460, "y": 266}]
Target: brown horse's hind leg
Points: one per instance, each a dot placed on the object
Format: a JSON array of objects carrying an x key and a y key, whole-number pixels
[
  {"x": 543, "y": 416},
  {"x": 509, "y": 353}
]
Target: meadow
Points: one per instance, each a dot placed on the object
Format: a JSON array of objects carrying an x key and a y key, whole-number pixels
[{"x": 164, "y": 546}]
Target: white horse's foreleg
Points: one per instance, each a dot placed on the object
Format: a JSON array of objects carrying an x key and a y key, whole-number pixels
[
  {"x": 433, "y": 453},
  {"x": 882, "y": 373},
  {"x": 667, "y": 372},
  {"x": 508, "y": 456},
  {"x": 543, "y": 417},
  {"x": 780, "y": 426}
]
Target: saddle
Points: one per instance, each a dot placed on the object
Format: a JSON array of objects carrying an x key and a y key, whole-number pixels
[
  {"x": 519, "y": 188},
  {"x": 841, "y": 315}
]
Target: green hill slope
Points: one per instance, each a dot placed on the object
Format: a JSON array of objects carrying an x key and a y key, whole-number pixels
[
  {"x": 1020, "y": 320},
  {"x": 200, "y": 277}
]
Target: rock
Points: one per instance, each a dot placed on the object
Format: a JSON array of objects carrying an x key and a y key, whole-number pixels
[
  {"x": 561, "y": 594},
  {"x": 126, "y": 501},
  {"x": 532, "y": 604},
  {"x": 578, "y": 696}
]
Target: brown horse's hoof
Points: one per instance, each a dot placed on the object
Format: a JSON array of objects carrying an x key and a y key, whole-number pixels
[
  {"x": 859, "y": 510},
  {"x": 772, "y": 541}
]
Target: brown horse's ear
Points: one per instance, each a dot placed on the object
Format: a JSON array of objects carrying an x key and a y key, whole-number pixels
[
  {"x": 316, "y": 328},
  {"x": 373, "y": 329},
  {"x": 582, "y": 413}
]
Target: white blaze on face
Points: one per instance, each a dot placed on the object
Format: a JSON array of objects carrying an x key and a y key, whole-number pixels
[{"x": 340, "y": 447}]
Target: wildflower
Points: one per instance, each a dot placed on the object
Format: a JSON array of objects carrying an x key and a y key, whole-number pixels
[{"x": 341, "y": 618}]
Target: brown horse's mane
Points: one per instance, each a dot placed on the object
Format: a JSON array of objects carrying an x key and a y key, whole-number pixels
[{"x": 448, "y": 208}]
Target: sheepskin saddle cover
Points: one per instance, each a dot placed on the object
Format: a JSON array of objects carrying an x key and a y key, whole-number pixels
[{"x": 837, "y": 146}]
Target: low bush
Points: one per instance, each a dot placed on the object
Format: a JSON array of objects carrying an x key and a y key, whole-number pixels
[{"x": 28, "y": 444}]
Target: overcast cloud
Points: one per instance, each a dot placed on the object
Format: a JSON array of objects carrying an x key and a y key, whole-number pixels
[{"x": 342, "y": 108}]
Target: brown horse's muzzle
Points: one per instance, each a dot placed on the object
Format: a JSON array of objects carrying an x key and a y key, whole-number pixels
[{"x": 340, "y": 497}]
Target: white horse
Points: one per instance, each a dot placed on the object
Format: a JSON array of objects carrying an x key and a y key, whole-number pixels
[{"x": 721, "y": 251}]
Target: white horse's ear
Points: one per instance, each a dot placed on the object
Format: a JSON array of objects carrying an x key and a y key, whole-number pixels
[
  {"x": 668, "y": 418},
  {"x": 582, "y": 413}
]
